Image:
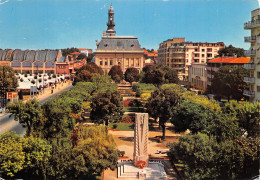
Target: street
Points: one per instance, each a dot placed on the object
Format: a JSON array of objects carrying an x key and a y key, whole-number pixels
[{"x": 7, "y": 122}]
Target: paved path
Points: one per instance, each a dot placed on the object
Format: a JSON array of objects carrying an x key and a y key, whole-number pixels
[{"x": 7, "y": 122}]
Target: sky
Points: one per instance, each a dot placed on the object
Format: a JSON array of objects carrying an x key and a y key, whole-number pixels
[{"x": 57, "y": 24}]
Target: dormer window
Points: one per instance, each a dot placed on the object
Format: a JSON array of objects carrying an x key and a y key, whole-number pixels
[
  {"x": 132, "y": 45},
  {"x": 105, "y": 45}
]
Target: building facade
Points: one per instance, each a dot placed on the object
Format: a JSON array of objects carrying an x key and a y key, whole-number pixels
[
  {"x": 214, "y": 64},
  {"x": 124, "y": 51},
  {"x": 198, "y": 76},
  {"x": 254, "y": 65},
  {"x": 180, "y": 55}
]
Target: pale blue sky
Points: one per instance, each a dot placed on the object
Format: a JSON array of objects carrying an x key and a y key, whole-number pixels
[{"x": 55, "y": 24}]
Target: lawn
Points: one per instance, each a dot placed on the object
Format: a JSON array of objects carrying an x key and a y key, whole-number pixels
[{"x": 122, "y": 126}]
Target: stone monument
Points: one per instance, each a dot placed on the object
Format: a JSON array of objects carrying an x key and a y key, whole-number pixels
[
  {"x": 140, "y": 157},
  {"x": 140, "y": 168}
]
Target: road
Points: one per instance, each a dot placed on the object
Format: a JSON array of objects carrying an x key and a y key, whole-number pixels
[{"x": 7, "y": 122}]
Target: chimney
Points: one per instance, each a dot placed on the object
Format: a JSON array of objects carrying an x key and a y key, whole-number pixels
[
  {"x": 104, "y": 33},
  {"x": 235, "y": 55}
]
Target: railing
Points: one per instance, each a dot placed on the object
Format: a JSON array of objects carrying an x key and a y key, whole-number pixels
[
  {"x": 250, "y": 38},
  {"x": 251, "y": 24},
  {"x": 249, "y": 93},
  {"x": 249, "y": 66},
  {"x": 250, "y": 52},
  {"x": 249, "y": 80}
]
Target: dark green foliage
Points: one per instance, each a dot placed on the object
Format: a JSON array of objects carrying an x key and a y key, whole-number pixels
[
  {"x": 158, "y": 75},
  {"x": 162, "y": 105},
  {"x": 131, "y": 75},
  {"x": 106, "y": 106},
  {"x": 85, "y": 73},
  {"x": 231, "y": 51},
  {"x": 82, "y": 56},
  {"x": 229, "y": 82},
  {"x": 116, "y": 73},
  {"x": 8, "y": 78},
  {"x": 28, "y": 114},
  {"x": 67, "y": 51}
]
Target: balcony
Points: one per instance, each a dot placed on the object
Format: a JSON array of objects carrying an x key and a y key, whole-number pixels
[
  {"x": 249, "y": 80},
  {"x": 249, "y": 66},
  {"x": 250, "y": 52},
  {"x": 252, "y": 24},
  {"x": 249, "y": 93},
  {"x": 250, "y": 39}
]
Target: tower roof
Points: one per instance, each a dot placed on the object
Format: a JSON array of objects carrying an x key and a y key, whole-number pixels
[{"x": 111, "y": 10}]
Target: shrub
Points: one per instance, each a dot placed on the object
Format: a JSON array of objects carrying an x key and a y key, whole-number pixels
[
  {"x": 128, "y": 119},
  {"x": 40, "y": 80},
  {"x": 33, "y": 81},
  {"x": 21, "y": 80},
  {"x": 35, "y": 77},
  {"x": 25, "y": 75},
  {"x": 53, "y": 76},
  {"x": 127, "y": 103},
  {"x": 40, "y": 75},
  {"x": 49, "y": 77},
  {"x": 114, "y": 126}
]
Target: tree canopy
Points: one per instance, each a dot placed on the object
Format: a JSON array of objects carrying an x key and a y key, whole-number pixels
[
  {"x": 131, "y": 75},
  {"x": 28, "y": 114},
  {"x": 231, "y": 51},
  {"x": 229, "y": 82},
  {"x": 116, "y": 73},
  {"x": 67, "y": 51},
  {"x": 106, "y": 106},
  {"x": 8, "y": 79},
  {"x": 158, "y": 75},
  {"x": 161, "y": 105}
]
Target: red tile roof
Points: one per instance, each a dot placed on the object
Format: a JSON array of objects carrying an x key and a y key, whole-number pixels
[
  {"x": 82, "y": 49},
  {"x": 235, "y": 60}
]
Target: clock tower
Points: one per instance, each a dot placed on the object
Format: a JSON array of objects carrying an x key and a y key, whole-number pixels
[{"x": 110, "y": 24}]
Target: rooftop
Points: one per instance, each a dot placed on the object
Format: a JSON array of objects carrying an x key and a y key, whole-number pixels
[{"x": 232, "y": 60}]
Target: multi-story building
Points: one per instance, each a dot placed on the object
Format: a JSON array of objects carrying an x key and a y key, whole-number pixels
[
  {"x": 254, "y": 65},
  {"x": 118, "y": 50},
  {"x": 198, "y": 76},
  {"x": 214, "y": 64},
  {"x": 179, "y": 55},
  {"x": 163, "y": 52}
]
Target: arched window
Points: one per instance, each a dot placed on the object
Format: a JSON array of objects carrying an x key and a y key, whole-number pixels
[
  {"x": 15, "y": 64},
  {"x": 49, "y": 64},
  {"x": 38, "y": 64},
  {"x": 27, "y": 64}
]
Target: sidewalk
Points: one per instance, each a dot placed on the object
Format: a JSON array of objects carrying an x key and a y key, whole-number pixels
[{"x": 47, "y": 92}]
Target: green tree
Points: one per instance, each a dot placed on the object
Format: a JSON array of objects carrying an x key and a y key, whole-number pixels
[
  {"x": 231, "y": 51},
  {"x": 28, "y": 114},
  {"x": 106, "y": 106},
  {"x": 37, "y": 153},
  {"x": 158, "y": 75},
  {"x": 82, "y": 56},
  {"x": 249, "y": 117},
  {"x": 8, "y": 79},
  {"x": 131, "y": 75},
  {"x": 12, "y": 156},
  {"x": 85, "y": 73},
  {"x": 58, "y": 123},
  {"x": 67, "y": 51},
  {"x": 229, "y": 82},
  {"x": 116, "y": 73},
  {"x": 162, "y": 104},
  {"x": 99, "y": 80},
  {"x": 96, "y": 148}
]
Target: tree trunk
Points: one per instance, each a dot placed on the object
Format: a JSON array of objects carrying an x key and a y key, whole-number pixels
[
  {"x": 163, "y": 131},
  {"x": 228, "y": 98},
  {"x": 106, "y": 123}
]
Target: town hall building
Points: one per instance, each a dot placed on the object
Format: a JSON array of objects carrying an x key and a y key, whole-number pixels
[{"x": 118, "y": 50}]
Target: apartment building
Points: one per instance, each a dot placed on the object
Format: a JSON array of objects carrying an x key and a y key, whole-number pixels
[
  {"x": 179, "y": 55},
  {"x": 254, "y": 65},
  {"x": 198, "y": 76}
]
